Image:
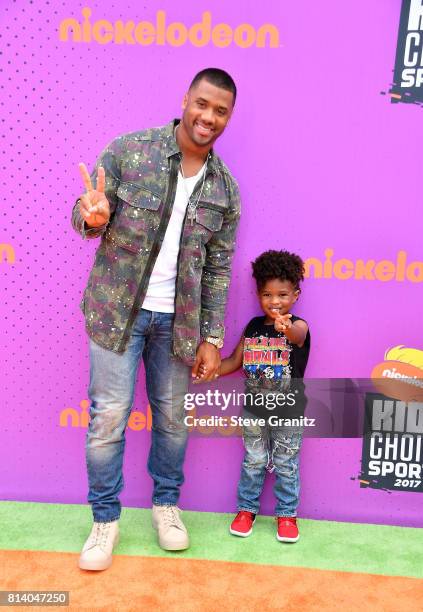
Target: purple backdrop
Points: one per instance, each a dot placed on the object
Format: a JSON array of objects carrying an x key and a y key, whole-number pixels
[{"x": 323, "y": 161}]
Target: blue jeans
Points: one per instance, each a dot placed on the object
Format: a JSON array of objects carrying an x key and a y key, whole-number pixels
[
  {"x": 272, "y": 448},
  {"x": 112, "y": 382}
]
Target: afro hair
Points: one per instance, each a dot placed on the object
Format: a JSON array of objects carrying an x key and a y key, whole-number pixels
[{"x": 278, "y": 264}]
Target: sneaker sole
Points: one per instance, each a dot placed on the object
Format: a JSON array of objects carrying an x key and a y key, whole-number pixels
[
  {"x": 240, "y": 533},
  {"x": 289, "y": 540},
  {"x": 173, "y": 546},
  {"x": 96, "y": 566}
]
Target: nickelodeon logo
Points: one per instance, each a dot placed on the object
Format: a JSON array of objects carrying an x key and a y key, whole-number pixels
[
  {"x": 70, "y": 417},
  {"x": 175, "y": 34},
  {"x": 139, "y": 421},
  {"x": 7, "y": 254},
  {"x": 400, "y": 375},
  {"x": 383, "y": 270}
]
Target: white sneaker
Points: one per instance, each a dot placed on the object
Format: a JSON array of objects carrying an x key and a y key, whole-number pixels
[
  {"x": 172, "y": 532},
  {"x": 97, "y": 551}
]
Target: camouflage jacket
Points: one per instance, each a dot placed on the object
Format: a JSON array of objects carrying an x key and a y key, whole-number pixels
[{"x": 141, "y": 177}]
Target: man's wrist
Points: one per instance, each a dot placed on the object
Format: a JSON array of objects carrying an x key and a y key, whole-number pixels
[
  {"x": 216, "y": 342},
  {"x": 94, "y": 227}
]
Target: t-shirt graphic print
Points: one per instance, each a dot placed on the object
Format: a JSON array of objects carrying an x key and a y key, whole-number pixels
[
  {"x": 272, "y": 365},
  {"x": 267, "y": 359}
]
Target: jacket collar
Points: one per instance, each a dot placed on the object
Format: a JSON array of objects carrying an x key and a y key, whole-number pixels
[{"x": 172, "y": 146}]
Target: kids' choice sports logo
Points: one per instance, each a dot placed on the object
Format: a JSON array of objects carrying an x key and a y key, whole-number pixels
[
  {"x": 392, "y": 453},
  {"x": 161, "y": 31},
  {"x": 408, "y": 72},
  {"x": 400, "y": 375}
]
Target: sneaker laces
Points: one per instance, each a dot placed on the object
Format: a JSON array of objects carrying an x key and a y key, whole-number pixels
[
  {"x": 170, "y": 516},
  {"x": 100, "y": 535}
]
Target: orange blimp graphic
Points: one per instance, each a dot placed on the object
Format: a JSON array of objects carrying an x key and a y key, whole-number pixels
[{"x": 400, "y": 375}]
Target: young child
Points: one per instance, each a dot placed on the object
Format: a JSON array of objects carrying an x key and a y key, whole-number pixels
[{"x": 273, "y": 351}]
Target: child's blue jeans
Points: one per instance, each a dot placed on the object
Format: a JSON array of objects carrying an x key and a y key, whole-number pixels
[{"x": 272, "y": 448}]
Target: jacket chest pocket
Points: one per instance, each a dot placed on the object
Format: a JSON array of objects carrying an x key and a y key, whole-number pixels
[
  {"x": 136, "y": 219},
  {"x": 197, "y": 233},
  {"x": 208, "y": 219}
]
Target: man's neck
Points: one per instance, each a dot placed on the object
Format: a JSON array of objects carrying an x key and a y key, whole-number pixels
[{"x": 193, "y": 156}]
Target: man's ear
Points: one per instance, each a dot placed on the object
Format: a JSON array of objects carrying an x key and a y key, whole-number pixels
[{"x": 184, "y": 101}]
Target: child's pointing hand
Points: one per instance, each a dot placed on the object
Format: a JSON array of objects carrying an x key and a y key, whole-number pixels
[{"x": 283, "y": 322}]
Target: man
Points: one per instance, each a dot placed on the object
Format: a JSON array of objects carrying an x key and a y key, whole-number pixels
[{"x": 166, "y": 208}]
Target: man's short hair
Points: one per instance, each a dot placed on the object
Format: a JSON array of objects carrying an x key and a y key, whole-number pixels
[{"x": 218, "y": 78}]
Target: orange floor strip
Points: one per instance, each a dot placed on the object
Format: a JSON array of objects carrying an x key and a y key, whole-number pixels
[{"x": 187, "y": 585}]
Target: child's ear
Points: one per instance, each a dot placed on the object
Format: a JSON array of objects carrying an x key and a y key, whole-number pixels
[{"x": 297, "y": 294}]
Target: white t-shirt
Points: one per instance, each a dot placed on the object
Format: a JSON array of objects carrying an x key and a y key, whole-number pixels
[{"x": 160, "y": 296}]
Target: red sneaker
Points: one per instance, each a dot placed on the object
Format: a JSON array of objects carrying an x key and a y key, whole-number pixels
[
  {"x": 287, "y": 529},
  {"x": 242, "y": 525}
]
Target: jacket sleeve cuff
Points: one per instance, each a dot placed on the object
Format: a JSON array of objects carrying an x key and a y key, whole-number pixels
[
  {"x": 92, "y": 232},
  {"x": 214, "y": 329}
]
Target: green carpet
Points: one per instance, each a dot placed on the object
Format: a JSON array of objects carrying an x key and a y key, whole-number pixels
[{"x": 350, "y": 547}]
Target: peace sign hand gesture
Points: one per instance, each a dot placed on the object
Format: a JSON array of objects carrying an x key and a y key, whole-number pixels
[{"x": 93, "y": 205}]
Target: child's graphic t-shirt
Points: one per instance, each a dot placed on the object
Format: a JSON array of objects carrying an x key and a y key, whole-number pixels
[{"x": 272, "y": 364}]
